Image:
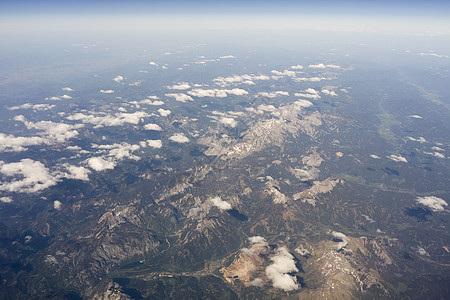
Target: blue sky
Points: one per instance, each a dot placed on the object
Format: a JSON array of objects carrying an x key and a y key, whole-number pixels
[{"x": 432, "y": 15}]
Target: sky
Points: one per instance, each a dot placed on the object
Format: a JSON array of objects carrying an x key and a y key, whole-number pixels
[{"x": 348, "y": 15}]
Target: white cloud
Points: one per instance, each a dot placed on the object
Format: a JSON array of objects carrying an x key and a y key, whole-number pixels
[
  {"x": 67, "y": 89},
  {"x": 257, "y": 239},
  {"x": 150, "y": 102},
  {"x": 118, "y": 119},
  {"x": 340, "y": 236},
  {"x": 226, "y": 56},
  {"x": 10, "y": 143},
  {"x": 6, "y": 199},
  {"x": 180, "y": 86},
  {"x": 327, "y": 92},
  {"x": 57, "y": 205},
  {"x": 152, "y": 63},
  {"x": 273, "y": 94},
  {"x": 180, "y": 97},
  {"x": 217, "y": 92},
  {"x": 154, "y": 143},
  {"x": 312, "y": 79},
  {"x": 238, "y": 79},
  {"x": 164, "y": 112},
  {"x": 284, "y": 73},
  {"x": 229, "y": 122},
  {"x": 35, "y": 106},
  {"x": 65, "y": 97},
  {"x": 118, "y": 79},
  {"x": 54, "y": 98},
  {"x": 415, "y": 116},
  {"x": 74, "y": 172},
  {"x": 151, "y": 126},
  {"x": 307, "y": 95},
  {"x": 297, "y": 67},
  {"x": 303, "y": 103},
  {"x": 277, "y": 272},
  {"x": 179, "y": 138},
  {"x": 435, "y": 148},
  {"x": 99, "y": 164},
  {"x": 219, "y": 203},
  {"x": 29, "y": 176},
  {"x": 420, "y": 139},
  {"x": 119, "y": 151},
  {"x": 375, "y": 156},
  {"x": 397, "y": 158},
  {"x": 265, "y": 108},
  {"x": 107, "y": 91},
  {"x": 322, "y": 66},
  {"x": 436, "y": 154},
  {"x": 434, "y": 203}
]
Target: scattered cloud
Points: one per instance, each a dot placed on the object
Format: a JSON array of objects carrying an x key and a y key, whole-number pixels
[
  {"x": 107, "y": 91},
  {"x": 117, "y": 119},
  {"x": 278, "y": 271},
  {"x": 180, "y": 97},
  {"x": 67, "y": 89},
  {"x": 67, "y": 97},
  {"x": 164, "y": 112},
  {"x": 180, "y": 86},
  {"x": 312, "y": 79},
  {"x": 375, "y": 156},
  {"x": 28, "y": 176},
  {"x": 6, "y": 199},
  {"x": 420, "y": 139},
  {"x": 284, "y": 73},
  {"x": 217, "y": 92},
  {"x": 219, "y": 203},
  {"x": 179, "y": 138},
  {"x": 415, "y": 116},
  {"x": 328, "y": 92},
  {"x": 35, "y": 106},
  {"x": 152, "y": 63},
  {"x": 273, "y": 94},
  {"x": 432, "y": 202},
  {"x": 118, "y": 79},
  {"x": 239, "y": 79},
  {"x": 57, "y": 205},
  {"x": 154, "y": 143},
  {"x": 100, "y": 164},
  {"x": 435, "y": 148},
  {"x": 151, "y": 126},
  {"x": 229, "y": 122},
  {"x": 342, "y": 238},
  {"x": 297, "y": 67},
  {"x": 322, "y": 66},
  {"x": 436, "y": 154},
  {"x": 397, "y": 158},
  {"x": 226, "y": 56}
]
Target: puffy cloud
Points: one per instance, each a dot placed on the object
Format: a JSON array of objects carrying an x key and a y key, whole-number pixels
[
  {"x": 10, "y": 143},
  {"x": 181, "y": 86},
  {"x": 397, "y": 158},
  {"x": 420, "y": 139},
  {"x": 118, "y": 119},
  {"x": 277, "y": 272},
  {"x": 312, "y": 79},
  {"x": 136, "y": 83},
  {"x": 179, "y": 138},
  {"x": 57, "y": 205},
  {"x": 226, "y": 56},
  {"x": 238, "y": 79},
  {"x": 434, "y": 203},
  {"x": 67, "y": 97},
  {"x": 343, "y": 240},
  {"x": 152, "y": 63},
  {"x": 273, "y": 94},
  {"x": 107, "y": 91},
  {"x": 29, "y": 176},
  {"x": 6, "y": 199},
  {"x": 118, "y": 79},
  {"x": 74, "y": 172},
  {"x": 415, "y": 116},
  {"x": 154, "y": 143},
  {"x": 297, "y": 67},
  {"x": 322, "y": 66},
  {"x": 284, "y": 73},
  {"x": 151, "y": 126},
  {"x": 217, "y": 92},
  {"x": 219, "y": 203},
  {"x": 265, "y": 108},
  {"x": 54, "y": 98},
  {"x": 150, "y": 102},
  {"x": 303, "y": 103},
  {"x": 99, "y": 164},
  {"x": 375, "y": 156},
  {"x": 435, "y": 148},
  {"x": 257, "y": 239},
  {"x": 180, "y": 97},
  {"x": 327, "y": 92},
  {"x": 164, "y": 112},
  {"x": 67, "y": 89},
  {"x": 119, "y": 151},
  {"x": 229, "y": 122},
  {"x": 307, "y": 95},
  {"x": 436, "y": 154},
  {"x": 35, "y": 106}
]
